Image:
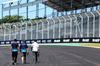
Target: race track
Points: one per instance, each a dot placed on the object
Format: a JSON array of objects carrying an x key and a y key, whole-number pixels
[{"x": 56, "y": 56}]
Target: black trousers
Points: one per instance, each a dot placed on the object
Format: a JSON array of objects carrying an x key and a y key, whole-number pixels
[
  {"x": 14, "y": 56},
  {"x": 36, "y": 56}
]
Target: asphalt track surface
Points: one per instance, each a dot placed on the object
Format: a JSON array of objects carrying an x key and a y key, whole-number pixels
[{"x": 55, "y": 56}]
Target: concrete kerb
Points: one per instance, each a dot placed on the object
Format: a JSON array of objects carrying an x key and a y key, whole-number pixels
[{"x": 60, "y": 44}]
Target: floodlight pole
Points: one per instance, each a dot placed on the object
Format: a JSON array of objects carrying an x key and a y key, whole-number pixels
[
  {"x": 27, "y": 11},
  {"x": 83, "y": 10},
  {"x": 66, "y": 12},
  {"x": 75, "y": 11},
  {"x": 18, "y": 12},
  {"x": 53, "y": 10},
  {"x": 9, "y": 12},
  {"x": 2, "y": 13},
  {"x": 37, "y": 11},
  {"x": 72, "y": 6},
  {"x": 62, "y": 7},
  {"x": 45, "y": 11},
  {"x": 92, "y": 5}
]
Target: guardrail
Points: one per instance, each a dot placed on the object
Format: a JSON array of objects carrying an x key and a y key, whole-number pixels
[{"x": 62, "y": 40}]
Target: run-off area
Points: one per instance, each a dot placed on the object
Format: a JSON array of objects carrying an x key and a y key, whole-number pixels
[{"x": 55, "y": 56}]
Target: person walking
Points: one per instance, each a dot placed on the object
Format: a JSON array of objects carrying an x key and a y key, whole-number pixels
[
  {"x": 35, "y": 50},
  {"x": 14, "y": 51},
  {"x": 24, "y": 50}
]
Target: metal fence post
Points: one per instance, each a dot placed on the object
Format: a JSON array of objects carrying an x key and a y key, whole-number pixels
[
  {"x": 53, "y": 28},
  {"x": 15, "y": 31},
  {"x": 10, "y": 32},
  {"x": 87, "y": 25},
  {"x": 31, "y": 31},
  {"x": 81, "y": 25},
  {"x": 93, "y": 24},
  {"x": 20, "y": 32},
  {"x": 59, "y": 26},
  {"x": 48, "y": 29},
  {"x": 99, "y": 21},
  {"x": 42, "y": 28},
  {"x": 64, "y": 27},
  {"x": 26, "y": 31},
  {"x": 4, "y": 31},
  {"x": 77, "y": 26},
  {"x": 36, "y": 29},
  {"x": 70, "y": 26}
]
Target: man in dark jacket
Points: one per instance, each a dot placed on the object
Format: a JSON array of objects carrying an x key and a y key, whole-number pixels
[
  {"x": 24, "y": 50},
  {"x": 14, "y": 51}
]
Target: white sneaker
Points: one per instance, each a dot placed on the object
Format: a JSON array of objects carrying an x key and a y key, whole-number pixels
[{"x": 13, "y": 63}]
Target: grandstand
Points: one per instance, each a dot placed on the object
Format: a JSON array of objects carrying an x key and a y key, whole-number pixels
[{"x": 77, "y": 25}]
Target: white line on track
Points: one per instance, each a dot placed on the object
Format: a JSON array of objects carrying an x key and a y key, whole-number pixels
[{"x": 80, "y": 57}]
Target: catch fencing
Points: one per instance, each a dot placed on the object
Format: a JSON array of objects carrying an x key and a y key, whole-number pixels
[{"x": 84, "y": 25}]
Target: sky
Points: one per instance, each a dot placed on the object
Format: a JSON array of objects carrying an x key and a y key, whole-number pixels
[
  {"x": 32, "y": 10},
  {"x": 22, "y": 11}
]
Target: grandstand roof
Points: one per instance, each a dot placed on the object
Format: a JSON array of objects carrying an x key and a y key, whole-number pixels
[{"x": 68, "y": 5}]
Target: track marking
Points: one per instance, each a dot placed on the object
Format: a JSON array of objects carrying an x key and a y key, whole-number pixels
[
  {"x": 51, "y": 44},
  {"x": 79, "y": 57}
]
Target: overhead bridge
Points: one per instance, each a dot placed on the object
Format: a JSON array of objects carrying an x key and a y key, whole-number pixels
[
  {"x": 69, "y": 5},
  {"x": 60, "y": 5}
]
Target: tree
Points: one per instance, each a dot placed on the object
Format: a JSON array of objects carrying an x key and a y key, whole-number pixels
[
  {"x": 12, "y": 19},
  {"x": 38, "y": 18}
]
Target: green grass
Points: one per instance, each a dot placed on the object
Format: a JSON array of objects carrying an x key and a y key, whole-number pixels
[{"x": 92, "y": 44}]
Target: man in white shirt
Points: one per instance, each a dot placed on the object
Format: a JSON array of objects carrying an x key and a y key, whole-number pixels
[{"x": 35, "y": 50}]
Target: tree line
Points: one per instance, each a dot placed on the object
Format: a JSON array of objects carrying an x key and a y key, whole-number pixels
[{"x": 16, "y": 18}]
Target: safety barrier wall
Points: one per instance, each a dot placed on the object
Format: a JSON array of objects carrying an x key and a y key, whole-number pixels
[{"x": 62, "y": 40}]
